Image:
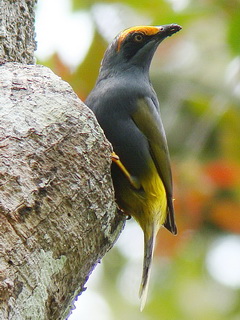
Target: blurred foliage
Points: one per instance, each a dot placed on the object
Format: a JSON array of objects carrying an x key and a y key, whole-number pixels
[{"x": 196, "y": 75}]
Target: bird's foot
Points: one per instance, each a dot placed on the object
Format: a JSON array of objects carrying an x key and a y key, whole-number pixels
[
  {"x": 133, "y": 180},
  {"x": 128, "y": 216}
]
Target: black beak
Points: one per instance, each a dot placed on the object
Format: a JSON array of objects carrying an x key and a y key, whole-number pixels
[{"x": 168, "y": 29}]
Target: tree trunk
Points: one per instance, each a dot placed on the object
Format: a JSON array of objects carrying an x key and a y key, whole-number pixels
[
  {"x": 17, "y": 31},
  {"x": 57, "y": 211}
]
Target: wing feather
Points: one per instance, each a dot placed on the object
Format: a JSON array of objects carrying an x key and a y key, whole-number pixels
[{"x": 148, "y": 120}]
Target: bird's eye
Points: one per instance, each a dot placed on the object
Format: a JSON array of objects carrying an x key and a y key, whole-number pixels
[{"x": 138, "y": 37}]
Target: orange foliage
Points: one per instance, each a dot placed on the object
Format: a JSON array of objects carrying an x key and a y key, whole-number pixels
[
  {"x": 223, "y": 174},
  {"x": 167, "y": 244},
  {"x": 197, "y": 193},
  {"x": 226, "y": 214},
  {"x": 60, "y": 68}
]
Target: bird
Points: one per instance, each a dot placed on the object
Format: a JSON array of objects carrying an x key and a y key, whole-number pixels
[{"x": 127, "y": 109}]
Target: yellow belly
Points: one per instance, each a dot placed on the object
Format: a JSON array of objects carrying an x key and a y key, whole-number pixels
[{"x": 147, "y": 205}]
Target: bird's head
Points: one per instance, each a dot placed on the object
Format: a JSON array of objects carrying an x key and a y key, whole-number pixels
[{"x": 134, "y": 47}]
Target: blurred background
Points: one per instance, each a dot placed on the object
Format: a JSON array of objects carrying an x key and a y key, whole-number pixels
[{"x": 196, "y": 74}]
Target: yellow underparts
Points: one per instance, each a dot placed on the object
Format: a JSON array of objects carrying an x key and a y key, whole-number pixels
[
  {"x": 154, "y": 206},
  {"x": 148, "y": 205}
]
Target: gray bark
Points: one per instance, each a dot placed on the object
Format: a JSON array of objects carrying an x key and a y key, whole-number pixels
[
  {"x": 57, "y": 211},
  {"x": 17, "y": 31}
]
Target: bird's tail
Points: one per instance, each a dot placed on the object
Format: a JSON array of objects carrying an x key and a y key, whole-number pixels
[{"x": 149, "y": 243}]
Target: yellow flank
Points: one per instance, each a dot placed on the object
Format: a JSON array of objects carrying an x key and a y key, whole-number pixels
[
  {"x": 154, "y": 205},
  {"x": 148, "y": 30},
  {"x": 149, "y": 206}
]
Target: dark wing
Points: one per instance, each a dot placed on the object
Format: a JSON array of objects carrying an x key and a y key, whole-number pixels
[{"x": 148, "y": 120}]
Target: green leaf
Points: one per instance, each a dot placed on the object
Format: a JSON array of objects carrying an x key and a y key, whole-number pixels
[
  {"x": 234, "y": 33},
  {"x": 86, "y": 74}
]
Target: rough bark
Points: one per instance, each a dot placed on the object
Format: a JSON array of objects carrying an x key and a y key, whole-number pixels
[
  {"x": 17, "y": 31},
  {"x": 57, "y": 211}
]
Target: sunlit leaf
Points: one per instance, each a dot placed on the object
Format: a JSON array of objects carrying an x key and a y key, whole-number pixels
[
  {"x": 55, "y": 63},
  {"x": 230, "y": 133},
  {"x": 78, "y": 4},
  {"x": 233, "y": 31},
  {"x": 85, "y": 76}
]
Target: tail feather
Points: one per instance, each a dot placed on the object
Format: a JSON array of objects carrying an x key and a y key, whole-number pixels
[{"x": 149, "y": 244}]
